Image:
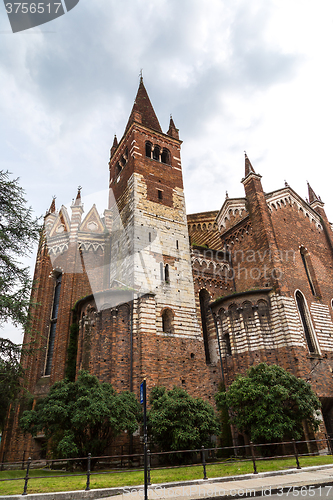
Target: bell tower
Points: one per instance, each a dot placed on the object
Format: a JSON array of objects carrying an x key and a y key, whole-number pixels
[{"x": 150, "y": 246}]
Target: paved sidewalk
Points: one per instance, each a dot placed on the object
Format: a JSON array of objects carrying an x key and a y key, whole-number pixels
[{"x": 244, "y": 486}]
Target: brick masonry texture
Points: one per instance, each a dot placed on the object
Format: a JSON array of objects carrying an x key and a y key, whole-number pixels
[{"x": 160, "y": 295}]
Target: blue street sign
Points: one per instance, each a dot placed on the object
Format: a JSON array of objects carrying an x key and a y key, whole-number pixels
[{"x": 141, "y": 392}]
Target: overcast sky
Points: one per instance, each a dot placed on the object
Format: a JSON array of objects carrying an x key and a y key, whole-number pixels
[{"x": 235, "y": 74}]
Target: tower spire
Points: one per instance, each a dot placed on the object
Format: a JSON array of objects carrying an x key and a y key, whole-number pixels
[
  {"x": 143, "y": 111},
  {"x": 248, "y": 166},
  {"x": 312, "y": 195}
]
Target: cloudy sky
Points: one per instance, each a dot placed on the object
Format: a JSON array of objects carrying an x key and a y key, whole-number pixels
[{"x": 236, "y": 75}]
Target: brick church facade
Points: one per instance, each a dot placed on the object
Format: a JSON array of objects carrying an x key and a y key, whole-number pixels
[{"x": 145, "y": 291}]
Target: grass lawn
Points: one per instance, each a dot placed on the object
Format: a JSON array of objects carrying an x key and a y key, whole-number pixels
[{"x": 133, "y": 478}]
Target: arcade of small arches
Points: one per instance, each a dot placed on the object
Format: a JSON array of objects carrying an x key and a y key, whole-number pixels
[
  {"x": 238, "y": 235},
  {"x": 203, "y": 227},
  {"x": 246, "y": 308},
  {"x": 213, "y": 282},
  {"x": 219, "y": 268},
  {"x": 285, "y": 202},
  {"x": 233, "y": 212},
  {"x": 155, "y": 152}
]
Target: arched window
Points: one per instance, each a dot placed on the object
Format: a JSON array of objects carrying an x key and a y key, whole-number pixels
[
  {"x": 53, "y": 324},
  {"x": 204, "y": 299},
  {"x": 156, "y": 153},
  {"x": 165, "y": 157},
  {"x": 167, "y": 321},
  {"x": 166, "y": 273},
  {"x": 148, "y": 149},
  {"x": 226, "y": 339},
  {"x": 308, "y": 269},
  {"x": 306, "y": 322}
]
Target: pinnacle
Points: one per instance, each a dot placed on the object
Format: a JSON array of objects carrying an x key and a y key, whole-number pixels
[
  {"x": 248, "y": 166},
  {"x": 52, "y": 208},
  {"x": 143, "y": 106},
  {"x": 173, "y": 131},
  {"x": 312, "y": 195},
  {"x": 78, "y": 196}
]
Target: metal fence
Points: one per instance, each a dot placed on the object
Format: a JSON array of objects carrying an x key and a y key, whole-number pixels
[{"x": 204, "y": 456}]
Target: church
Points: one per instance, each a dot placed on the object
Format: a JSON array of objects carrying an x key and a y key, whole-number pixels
[{"x": 147, "y": 291}]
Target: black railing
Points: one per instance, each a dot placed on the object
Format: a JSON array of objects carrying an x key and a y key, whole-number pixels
[{"x": 251, "y": 454}]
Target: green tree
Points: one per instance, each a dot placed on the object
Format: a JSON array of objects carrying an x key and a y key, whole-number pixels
[
  {"x": 10, "y": 375},
  {"x": 178, "y": 421},
  {"x": 82, "y": 417},
  {"x": 18, "y": 232},
  {"x": 270, "y": 404}
]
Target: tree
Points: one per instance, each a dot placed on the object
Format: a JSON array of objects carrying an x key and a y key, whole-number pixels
[
  {"x": 270, "y": 404},
  {"x": 10, "y": 374},
  {"x": 82, "y": 417},
  {"x": 18, "y": 231},
  {"x": 178, "y": 421}
]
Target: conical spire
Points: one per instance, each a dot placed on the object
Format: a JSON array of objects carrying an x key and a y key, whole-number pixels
[
  {"x": 114, "y": 145},
  {"x": 312, "y": 195},
  {"x": 248, "y": 166},
  {"x": 143, "y": 110},
  {"x": 173, "y": 131}
]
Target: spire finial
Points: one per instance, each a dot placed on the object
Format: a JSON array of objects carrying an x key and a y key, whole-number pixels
[{"x": 141, "y": 75}]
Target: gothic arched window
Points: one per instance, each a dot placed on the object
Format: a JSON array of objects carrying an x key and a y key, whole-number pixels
[
  {"x": 306, "y": 322},
  {"x": 165, "y": 157},
  {"x": 53, "y": 324},
  {"x": 156, "y": 153}
]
